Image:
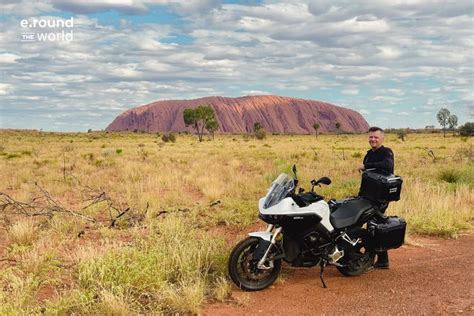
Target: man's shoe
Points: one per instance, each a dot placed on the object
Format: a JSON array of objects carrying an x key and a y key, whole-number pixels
[{"x": 381, "y": 265}]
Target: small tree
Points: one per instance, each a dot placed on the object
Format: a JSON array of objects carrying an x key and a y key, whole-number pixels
[
  {"x": 256, "y": 126},
  {"x": 316, "y": 126},
  {"x": 212, "y": 126},
  {"x": 199, "y": 118},
  {"x": 402, "y": 133},
  {"x": 443, "y": 118},
  {"x": 452, "y": 121},
  {"x": 338, "y": 126}
]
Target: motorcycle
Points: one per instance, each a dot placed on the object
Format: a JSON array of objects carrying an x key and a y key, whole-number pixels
[{"x": 304, "y": 230}]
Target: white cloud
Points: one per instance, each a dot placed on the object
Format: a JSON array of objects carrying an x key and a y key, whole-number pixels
[
  {"x": 6, "y": 88},
  {"x": 256, "y": 92},
  {"x": 25, "y": 7},
  {"x": 469, "y": 96},
  {"x": 350, "y": 91},
  {"x": 387, "y": 52},
  {"x": 394, "y": 91},
  {"x": 7, "y": 58}
]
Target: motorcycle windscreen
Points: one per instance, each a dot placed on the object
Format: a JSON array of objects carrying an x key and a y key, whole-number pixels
[{"x": 280, "y": 188}]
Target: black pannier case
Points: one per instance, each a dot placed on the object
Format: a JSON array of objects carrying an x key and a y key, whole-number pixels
[
  {"x": 380, "y": 187},
  {"x": 389, "y": 234}
]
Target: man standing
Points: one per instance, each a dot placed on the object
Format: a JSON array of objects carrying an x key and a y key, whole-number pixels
[
  {"x": 378, "y": 157},
  {"x": 381, "y": 159}
]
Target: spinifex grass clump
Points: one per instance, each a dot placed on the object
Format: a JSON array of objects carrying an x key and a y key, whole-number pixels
[{"x": 22, "y": 233}]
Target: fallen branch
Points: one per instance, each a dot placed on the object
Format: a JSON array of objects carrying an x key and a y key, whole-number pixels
[
  {"x": 112, "y": 224},
  {"x": 43, "y": 204}
]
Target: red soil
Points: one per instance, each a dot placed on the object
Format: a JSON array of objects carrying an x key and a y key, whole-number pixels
[{"x": 430, "y": 276}]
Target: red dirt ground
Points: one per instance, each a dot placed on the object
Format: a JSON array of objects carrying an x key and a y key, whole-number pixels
[{"x": 429, "y": 276}]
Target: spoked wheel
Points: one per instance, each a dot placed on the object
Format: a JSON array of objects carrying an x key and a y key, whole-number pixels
[
  {"x": 357, "y": 260},
  {"x": 243, "y": 268}
]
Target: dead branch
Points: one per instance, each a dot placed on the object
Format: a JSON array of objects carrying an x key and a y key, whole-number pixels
[
  {"x": 431, "y": 154},
  {"x": 215, "y": 203},
  {"x": 112, "y": 224},
  {"x": 43, "y": 204}
]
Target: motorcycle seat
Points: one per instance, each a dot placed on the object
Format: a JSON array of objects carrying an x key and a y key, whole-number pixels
[{"x": 349, "y": 212}]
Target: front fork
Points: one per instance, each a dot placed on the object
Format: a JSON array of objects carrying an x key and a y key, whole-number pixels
[{"x": 275, "y": 234}]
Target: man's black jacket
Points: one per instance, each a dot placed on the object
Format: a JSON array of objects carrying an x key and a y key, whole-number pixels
[{"x": 380, "y": 159}]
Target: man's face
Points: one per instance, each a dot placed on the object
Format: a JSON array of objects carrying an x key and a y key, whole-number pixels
[{"x": 375, "y": 139}]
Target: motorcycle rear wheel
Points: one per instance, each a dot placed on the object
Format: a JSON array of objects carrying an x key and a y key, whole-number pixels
[
  {"x": 243, "y": 268},
  {"x": 357, "y": 260}
]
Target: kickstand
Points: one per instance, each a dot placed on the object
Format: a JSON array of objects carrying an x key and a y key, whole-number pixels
[{"x": 322, "y": 264}]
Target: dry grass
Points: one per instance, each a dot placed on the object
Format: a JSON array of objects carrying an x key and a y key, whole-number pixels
[
  {"x": 22, "y": 233},
  {"x": 167, "y": 259}
]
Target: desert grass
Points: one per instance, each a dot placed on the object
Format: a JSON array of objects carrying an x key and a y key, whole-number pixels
[{"x": 168, "y": 253}]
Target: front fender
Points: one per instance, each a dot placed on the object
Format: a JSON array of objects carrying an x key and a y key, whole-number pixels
[{"x": 262, "y": 235}]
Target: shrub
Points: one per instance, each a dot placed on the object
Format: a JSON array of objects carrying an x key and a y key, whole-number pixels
[
  {"x": 13, "y": 155},
  {"x": 118, "y": 151},
  {"x": 467, "y": 129},
  {"x": 260, "y": 134},
  {"x": 449, "y": 175},
  {"x": 107, "y": 152},
  {"x": 88, "y": 156},
  {"x": 171, "y": 137}
]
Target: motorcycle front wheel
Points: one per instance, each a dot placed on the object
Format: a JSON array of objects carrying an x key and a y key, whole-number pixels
[{"x": 243, "y": 268}]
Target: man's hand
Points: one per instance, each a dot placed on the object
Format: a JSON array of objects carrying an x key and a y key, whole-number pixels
[{"x": 361, "y": 168}]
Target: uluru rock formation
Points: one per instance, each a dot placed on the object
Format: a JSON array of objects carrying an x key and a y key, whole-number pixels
[{"x": 237, "y": 115}]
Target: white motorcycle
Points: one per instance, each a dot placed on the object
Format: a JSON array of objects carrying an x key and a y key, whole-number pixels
[{"x": 304, "y": 230}]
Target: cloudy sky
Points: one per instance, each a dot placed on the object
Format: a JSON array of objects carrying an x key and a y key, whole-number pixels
[{"x": 396, "y": 62}]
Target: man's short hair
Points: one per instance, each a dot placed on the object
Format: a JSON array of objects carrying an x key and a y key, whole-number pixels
[{"x": 375, "y": 128}]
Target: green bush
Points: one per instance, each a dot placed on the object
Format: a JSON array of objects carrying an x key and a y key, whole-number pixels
[
  {"x": 467, "y": 129},
  {"x": 449, "y": 175}
]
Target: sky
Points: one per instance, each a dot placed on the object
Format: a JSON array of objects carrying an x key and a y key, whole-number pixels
[{"x": 74, "y": 65}]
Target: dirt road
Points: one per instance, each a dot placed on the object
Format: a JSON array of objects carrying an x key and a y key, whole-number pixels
[{"x": 428, "y": 276}]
